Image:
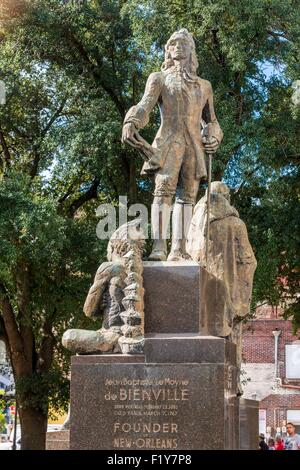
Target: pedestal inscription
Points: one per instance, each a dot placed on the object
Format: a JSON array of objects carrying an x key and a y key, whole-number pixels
[
  {"x": 146, "y": 411},
  {"x": 147, "y": 406}
]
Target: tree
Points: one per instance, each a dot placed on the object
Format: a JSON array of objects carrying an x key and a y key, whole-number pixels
[
  {"x": 72, "y": 69},
  {"x": 48, "y": 250}
]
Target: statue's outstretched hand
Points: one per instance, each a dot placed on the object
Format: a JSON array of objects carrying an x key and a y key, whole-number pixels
[
  {"x": 131, "y": 136},
  {"x": 211, "y": 144}
]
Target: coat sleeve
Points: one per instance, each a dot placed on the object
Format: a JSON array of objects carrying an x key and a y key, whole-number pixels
[
  {"x": 139, "y": 114},
  {"x": 209, "y": 116}
]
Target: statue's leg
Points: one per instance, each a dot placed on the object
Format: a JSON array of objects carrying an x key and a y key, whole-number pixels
[
  {"x": 160, "y": 220},
  {"x": 186, "y": 194},
  {"x": 165, "y": 187},
  {"x": 181, "y": 219}
]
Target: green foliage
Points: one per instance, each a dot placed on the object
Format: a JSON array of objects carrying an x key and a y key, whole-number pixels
[
  {"x": 72, "y": 69},
  {"x": 2, "y": 423},
  {"x": 266, "y": 286},
  {"x": 6, "y": 401},
  {"x": 40, "y": 391}
]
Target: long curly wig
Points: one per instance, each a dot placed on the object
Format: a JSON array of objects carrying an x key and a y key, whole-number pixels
[{"x": 169, "y": 62}]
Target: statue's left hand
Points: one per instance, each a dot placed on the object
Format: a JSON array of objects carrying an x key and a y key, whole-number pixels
[{"x": 211, "y": 144}]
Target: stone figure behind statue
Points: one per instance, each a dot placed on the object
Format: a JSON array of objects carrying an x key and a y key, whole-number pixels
[
  {"x": 117, "y": 295},
  {"x": 231, "y": 263}
]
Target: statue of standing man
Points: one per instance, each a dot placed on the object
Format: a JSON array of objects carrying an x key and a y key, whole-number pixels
[{"x": 188, "y": 129}]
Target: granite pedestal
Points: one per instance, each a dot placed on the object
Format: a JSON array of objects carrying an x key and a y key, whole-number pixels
[
  {"x": 58, "y": 440},
  {"x": 172, "y": 297},
  {"x": 183, "y": 298},
  {"x": 180, "y": 394},
  {"x": 249, "y": 429},
  {"x": 127, "y": 402}
]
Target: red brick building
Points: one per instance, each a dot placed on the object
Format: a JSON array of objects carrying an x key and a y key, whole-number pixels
[{"x": 271, "y": 369}]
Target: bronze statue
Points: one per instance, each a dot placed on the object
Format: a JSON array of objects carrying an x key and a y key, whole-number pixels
[{"x": 177, "y": 155}]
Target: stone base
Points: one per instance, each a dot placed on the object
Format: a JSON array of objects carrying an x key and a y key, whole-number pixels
[
  {"x": 249, "y": 424},
  {"x": 58, "y": 440},
  {"x": 182, "y": 297},
  {"x": 152, "y": 402},
  {"x": 172, "y": 296},
  {"x": 188, "y": 347}
]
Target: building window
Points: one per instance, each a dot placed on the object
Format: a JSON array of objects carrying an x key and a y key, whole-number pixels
[
  {"x": 292, "y": 361},
  {"x": 262, "y": 421}
]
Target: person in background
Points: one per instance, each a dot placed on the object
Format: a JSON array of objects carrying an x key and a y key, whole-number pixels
[
  {"x": 262, "y": 444},
  {"x": 8, "y": 421},
  {"x": 279, "y": 445},
  {"x": 271, "y": 443},
  {"x": 292, "y": 440}
]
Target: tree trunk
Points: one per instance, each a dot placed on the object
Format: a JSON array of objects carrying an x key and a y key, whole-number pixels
[{"x": 33, "y": 428}]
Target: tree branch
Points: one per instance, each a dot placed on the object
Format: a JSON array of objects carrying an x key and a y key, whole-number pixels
[
  {"x": 37, "y": 156},
  {"x": 55, "y": 115},
  {"x": 247, "y": 175},
  {"x": 35, "y": 163},
  {"x": 24, "y": 299},
  {"x": 239, "y": 109},
  {"x": 96, "y": 71},
  {"x": 6, "y": 153},
  {"x": 278, "y": 35},
  {"x": 219, "y": 55},
  {"x": 16, "y": 349},
  {"x": 69, "y": 191},
  {"x": 91, "y": 193},
  {"x": 45, "y": 355}
]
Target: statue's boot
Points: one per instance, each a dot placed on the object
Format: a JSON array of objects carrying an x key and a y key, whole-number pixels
[
  {"x": 181, "y": 220},
  {"x": 159, "y": 251},
  {"x": 160, "y": 219}
]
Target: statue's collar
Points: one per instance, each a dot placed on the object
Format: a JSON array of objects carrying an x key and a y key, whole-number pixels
[{"x": 179, "y": 70}]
